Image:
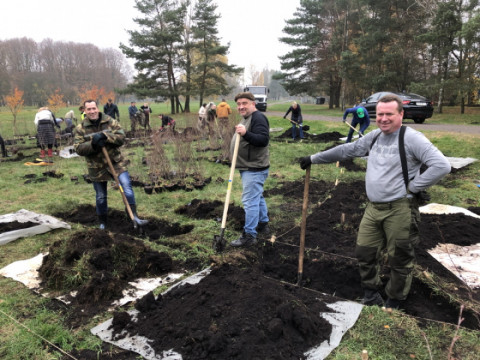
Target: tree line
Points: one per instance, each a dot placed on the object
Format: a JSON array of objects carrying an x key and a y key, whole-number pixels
[
  {"x": 42, "y": 69},
  {"x": 350, "y": 49}
]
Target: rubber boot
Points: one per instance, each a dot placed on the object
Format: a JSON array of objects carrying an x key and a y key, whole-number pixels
[
  {"x": 42, "y": 153},
  {"x": 135, "y": 216},
  {"x": 103, "y": 221},
  {"x": 50, "y": 153}
]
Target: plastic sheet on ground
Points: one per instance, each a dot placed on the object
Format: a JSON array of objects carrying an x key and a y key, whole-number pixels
[
  {"x": 442, "y": 209},
  {"x": 463, "y": 261},
  {"x": 67, "y": 152},
  {"x": 458, "y": 163},
  {"x": 26, "y": 272},
  {"x": 345, "y": 316},
  {"x": 45, "y": 224},
  {"x": 353, "y": 138},
  {"x": 276, "y": 129}
]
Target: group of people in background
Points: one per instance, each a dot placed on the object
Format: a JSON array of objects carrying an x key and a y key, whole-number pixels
[{"x": 209, "y": 114}]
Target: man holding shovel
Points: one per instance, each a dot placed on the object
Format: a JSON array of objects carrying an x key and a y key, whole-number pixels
[
  {"x": 394, "y": 187},
  {"x": 360, "y": 116},
  {"x": 95, "y": 132},
  {"x": 253, "y": 161}
]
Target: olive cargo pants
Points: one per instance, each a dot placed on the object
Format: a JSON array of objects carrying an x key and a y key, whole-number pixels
[{"x": 392, "y": 227}]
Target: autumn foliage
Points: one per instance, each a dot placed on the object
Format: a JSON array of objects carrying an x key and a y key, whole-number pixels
[{"x": 14, "y": 102}]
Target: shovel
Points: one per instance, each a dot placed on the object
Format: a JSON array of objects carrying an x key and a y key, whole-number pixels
[
  {"x": 218, "y": 240},
  {"x": 135, "y": 220},
  {"x": 303, "y": 227},
  {"x": 354, "y": 128}
]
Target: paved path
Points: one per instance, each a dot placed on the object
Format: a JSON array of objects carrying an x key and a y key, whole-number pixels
[{"x": 464, "y": 129}]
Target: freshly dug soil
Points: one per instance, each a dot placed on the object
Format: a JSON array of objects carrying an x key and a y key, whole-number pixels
[
  {"x": 118, "y": 222},
  {"x": 233, "y": 313},
  {"x": 248, "y": 304},
  {"x": 98, "y": 266}
]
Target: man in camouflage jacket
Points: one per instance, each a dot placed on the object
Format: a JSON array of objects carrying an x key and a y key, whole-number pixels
[{"x": 96, "y": 131}]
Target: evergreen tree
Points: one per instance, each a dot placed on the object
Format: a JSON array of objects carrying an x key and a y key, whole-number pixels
[
  {"x": 156, "y": 47},
  {"x": 211, "y": 67}
]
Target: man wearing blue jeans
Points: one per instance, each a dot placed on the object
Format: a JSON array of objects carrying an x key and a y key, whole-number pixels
[
  {"x": 253, "y": 161},
  {"x": 95, "y": 132}
]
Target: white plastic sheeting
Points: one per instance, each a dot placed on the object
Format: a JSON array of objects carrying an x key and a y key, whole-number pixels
[{"x": 45, "y": 224}]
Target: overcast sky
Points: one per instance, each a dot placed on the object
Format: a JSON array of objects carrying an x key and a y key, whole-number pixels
[{"x": 251, "y": 26}]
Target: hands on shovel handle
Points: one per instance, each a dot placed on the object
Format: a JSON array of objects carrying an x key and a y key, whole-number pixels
[{"x": 305, "y": 162}]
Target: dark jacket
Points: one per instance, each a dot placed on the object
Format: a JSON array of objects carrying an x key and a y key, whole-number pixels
[
  {"x": 111, "y": 110},
  {"x": 253, "y": 152},
  {"x": 296, "y": 114},
  {"x": 96, "y": 163}
]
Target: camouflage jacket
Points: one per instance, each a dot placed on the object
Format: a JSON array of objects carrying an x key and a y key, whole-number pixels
[{"x": 96, "y": 163}]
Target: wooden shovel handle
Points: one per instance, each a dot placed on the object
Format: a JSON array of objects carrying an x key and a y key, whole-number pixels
[
  {"x": 230, "y": 180},
  {"x": 115, "y": 176},
  {"x": 303, "y": 226}
]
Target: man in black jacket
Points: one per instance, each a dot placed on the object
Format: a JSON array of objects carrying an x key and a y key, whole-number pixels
[
  {"x": 253, "y": 161},
  {"x": 111, "y": 110}
]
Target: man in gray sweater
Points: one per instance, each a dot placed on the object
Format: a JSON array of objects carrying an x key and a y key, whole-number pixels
[{"x": 390, "y": 221}]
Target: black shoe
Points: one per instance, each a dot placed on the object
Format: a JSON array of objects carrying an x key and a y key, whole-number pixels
[
  {"x": 372, "y": 297},
  {"x": 393, "y": 304},
  {"x": 263, "y": 228},
  {"x": 244, "y": 240}
]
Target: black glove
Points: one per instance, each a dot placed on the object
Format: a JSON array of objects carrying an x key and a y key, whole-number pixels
[
  {"x": 422, "y": 197},
  {"x": 305, "y": 162},
  {"x": 285, "y": 117},
  {"x": 98, "y": 141}
]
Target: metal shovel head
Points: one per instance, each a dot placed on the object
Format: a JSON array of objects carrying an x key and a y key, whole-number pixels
[{"x": 219, "y": 242}]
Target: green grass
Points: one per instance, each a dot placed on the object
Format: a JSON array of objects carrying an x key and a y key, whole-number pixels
[{"x": 400, "y": 340}]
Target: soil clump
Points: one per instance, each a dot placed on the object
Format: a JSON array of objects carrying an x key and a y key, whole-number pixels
[{"x": 120, "y": 223}]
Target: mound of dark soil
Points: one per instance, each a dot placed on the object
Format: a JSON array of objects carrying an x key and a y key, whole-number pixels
[
  {"x": 98, "y": 266},
  {"x": 118, "y": 222},
  {"x": 324, "y": 137},
  {"x": 202, "y": 209},
  {"x": 233, "y": 313}
]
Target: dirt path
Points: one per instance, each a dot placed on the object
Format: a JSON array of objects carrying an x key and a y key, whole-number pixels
[{"x": 464, "y": 129}]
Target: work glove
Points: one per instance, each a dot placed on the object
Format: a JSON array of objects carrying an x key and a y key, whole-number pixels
[
  {"x": 284, "y": 117},
  {"x": 344, "y": 120},
  {"x": 305, "y": 162},
  {"x": 422, "y": 197},
  {"x": 98, "y": 141}
]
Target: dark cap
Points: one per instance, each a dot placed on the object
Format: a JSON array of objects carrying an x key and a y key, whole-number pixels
[{"x": 245, "y": 95}]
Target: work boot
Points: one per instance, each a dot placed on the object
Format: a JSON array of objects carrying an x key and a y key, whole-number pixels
[
  {"x": 245, "y": 239},
  {"x": 372, "y": 297},
  {"x": 393, "y": 303},
  {"x": 103, "y": 221},
  {"x": 135, "y": 216},
  {"x": 42, "y": 153},
  {"x": 263, "y": 228}
]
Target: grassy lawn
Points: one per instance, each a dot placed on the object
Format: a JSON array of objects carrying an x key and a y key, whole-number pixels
[{"x": 384, "y": 334}]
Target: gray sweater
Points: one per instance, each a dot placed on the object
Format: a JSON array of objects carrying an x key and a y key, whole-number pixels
[{"x": 384, "y": 177}]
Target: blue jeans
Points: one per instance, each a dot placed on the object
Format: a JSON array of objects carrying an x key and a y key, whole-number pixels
[
  {"x": 252, "y": 199},
  {"x": 101, "y": 192},
  {"x": 363, "y": 127},
  {"x": 294, "y": 132}
]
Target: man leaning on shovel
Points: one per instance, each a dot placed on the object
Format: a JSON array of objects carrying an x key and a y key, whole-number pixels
[
  {"x": 95, "y": 132},
  {"x": 395, "y": 188},
  {"x": 253, "y": 161}
]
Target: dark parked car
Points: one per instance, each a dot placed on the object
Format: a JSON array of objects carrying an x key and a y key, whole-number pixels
[{"x": 415, "y": 107}]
